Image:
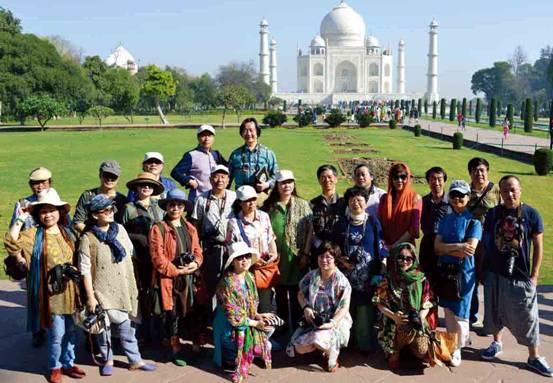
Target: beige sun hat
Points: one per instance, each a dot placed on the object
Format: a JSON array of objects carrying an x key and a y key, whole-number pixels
[
  {"x": 146, "y": 178},
  {"x": 40, "y": 174},
  {"x": 285, "y": 175},
  {"x": 50, "y": 197},
  {"x": 237, "y": 249}
]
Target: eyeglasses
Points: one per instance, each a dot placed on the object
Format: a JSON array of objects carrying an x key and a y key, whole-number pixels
[
  {"x": 456, "y": 195},
  {"x": 242, "y": 257},
  {"x": 400, "y": 177},
  {"x": 405, "y": 258},
  {"x": 43, "y": 182}
]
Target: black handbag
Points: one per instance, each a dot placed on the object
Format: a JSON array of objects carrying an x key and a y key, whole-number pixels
[{"x": 448, "y": 284}]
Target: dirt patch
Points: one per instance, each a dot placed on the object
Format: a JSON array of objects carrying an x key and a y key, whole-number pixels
[
  {"x": 338, "y": 137},
  {"x": 354, "y": 151},
  {"x": 347, "y": 144},
  {"x": 379, "y": 168}
]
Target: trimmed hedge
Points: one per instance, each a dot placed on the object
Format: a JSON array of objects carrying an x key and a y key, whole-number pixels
[
  {"x": 417, "y": 130},
  {"x": 274, "y": 118},
  {"x": 543, "y": 161},
  {"x": 457, "y": 140},
  {"x": 392, "y": 124}
]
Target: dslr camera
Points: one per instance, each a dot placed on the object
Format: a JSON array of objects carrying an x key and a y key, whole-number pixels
[
  {"x": 184, "y": 259},
  {"x": 99, "y": 315},
  {"x": 60, "y": 274}
]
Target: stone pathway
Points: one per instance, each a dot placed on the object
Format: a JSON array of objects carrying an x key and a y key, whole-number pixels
[{"x": 20, "y": 363}]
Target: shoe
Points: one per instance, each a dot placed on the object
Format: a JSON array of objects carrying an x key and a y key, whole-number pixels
[
  {"x": 74, "y": 372},
  {"x": 106, "y": 370},
  {"x": 393, "y": 363},
  {"x": 492, "y": 351},
  {"x": 334, "y": 368},
  {"x": 55, "y": 375},
  {"x": 456, "y": 359},
  {"x": 290, "y": 350},
  {"x": 178, "y": 359},
  {"x": 478, "y": 325},
  {"x": 540, "y": 365},
  {"x": 143, "y": 367}
]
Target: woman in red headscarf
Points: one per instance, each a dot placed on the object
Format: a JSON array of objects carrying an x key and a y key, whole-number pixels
[{"x": 400, "y": 208}]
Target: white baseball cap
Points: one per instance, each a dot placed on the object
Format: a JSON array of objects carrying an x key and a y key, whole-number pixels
[
  {"x": 219, "y": 169},
  {"x": 245, "y": 192},
  {"x": 285, "y": 175},
  {"x": 150, "y": 155},
  {"x": 204, "y": 128}
]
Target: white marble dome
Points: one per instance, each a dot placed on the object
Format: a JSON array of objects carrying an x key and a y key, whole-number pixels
[
  {"x": 318, "y": 42},
  {"x": 122, "y": 58},
  {"x": 372, "y": 41},
  {"x": 343, "y": 27}
]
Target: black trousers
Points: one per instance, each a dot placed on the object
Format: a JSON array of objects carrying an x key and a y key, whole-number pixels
[{"x": 292, "y": 316}]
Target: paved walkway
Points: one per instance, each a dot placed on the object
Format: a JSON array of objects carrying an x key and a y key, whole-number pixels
[
  {"x": 514, "y": 142},
  {"x": 19, "y": 362}
]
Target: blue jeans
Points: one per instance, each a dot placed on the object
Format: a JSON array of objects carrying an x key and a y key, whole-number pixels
[
  {"x": 61, "y": 342},
  {"x": 128, "y": 342}
]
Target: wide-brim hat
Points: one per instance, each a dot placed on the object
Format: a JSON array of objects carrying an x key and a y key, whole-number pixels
[
  {"x": 50, "y": 197},
  {"x": 173, "y": 195},
  {"x": 237, "y": 249},
  {"x": 149, "y": 179}
]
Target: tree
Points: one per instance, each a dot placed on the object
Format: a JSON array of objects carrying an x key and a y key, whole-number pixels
[
  {"x": 159, "y": 85},
  {"x": 528, "y": 116},
  {"x": 419, "y": 106},
  {"x": 497, "y": 81},
  {"x": 100, "y": 112},
  {"x": 470, "y": 108},
  {"x": 43, "y": 108},
  {"x": 536, "y": 111},
  {"x": 442, "y": 108},
  {"x": 517, "y": 59},
  {"x": 123, "y": 91},
  {"x": 452, "y": 106},
  {"x": 8, "y": 22},
  {"x": 493, "y": 113},
  {"x": 478, "y": 110},
  {"x": 498, "y": 109},
  {"x": 464, "y": 107},
  {"x": 510, "y": 115},
  {"x": 434, "y": 107},
  {"x": 96, "y": 70},
  {"x": 233, "y": 97},
  {"x": 425, "y": 106},
  {"x": 274, "y": 102},
  {"x": 522, "y": 110},
  {"x": 335, "y": 118},
  {"x": 274, "y": 118},
  {"x": 205, "y": 91},
  {"x": 66, "y": 49}
]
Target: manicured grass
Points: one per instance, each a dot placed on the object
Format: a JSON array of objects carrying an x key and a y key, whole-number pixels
[{"x": 74, "y": 157}]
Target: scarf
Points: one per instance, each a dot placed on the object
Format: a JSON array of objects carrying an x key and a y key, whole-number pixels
[
  {"x": 409, "y": 281},
  {"x": 357, "y": 219},
  {"x": 110, "y": 238},
  {"x": 394, "y": 212}
]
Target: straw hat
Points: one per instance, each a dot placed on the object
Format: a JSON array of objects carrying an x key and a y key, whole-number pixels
[
  {"x": 50, "y": 197},
  {"x": 237, "y": 249},
  {"x": 149, "y": 179}
]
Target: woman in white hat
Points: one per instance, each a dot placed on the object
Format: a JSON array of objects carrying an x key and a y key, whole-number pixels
[
  {"x": 253, "y": 226},
  {"x": 240, "y": 333},
  {"x": 52, "y": 297},
  {"x": 292, "y": 223}
]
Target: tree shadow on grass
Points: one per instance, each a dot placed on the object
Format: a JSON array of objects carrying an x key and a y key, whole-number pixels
[{"x": 517, "y": 173}]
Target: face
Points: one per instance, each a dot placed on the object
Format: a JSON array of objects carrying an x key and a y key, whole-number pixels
[
  {"x": 357, "y": 204},
  {"x": 405, "y": 259},
  {"x": 436, "y": 182},
  {"x": 249, "y": 134},
  {"x": 285, "y": 188},
  {"x": 39, "y": 186},
  {"x": 154, "y": 166},
  {"x": 400, "y": 179},
  {"x": 510, "y": 193},
  {"x": 104, "y": 216},
  {"x": 205, "y": 139},
  {"x": 242, "y": 263},
  {"x": 362, "y": 177},
  {"x": 109, "y": 181},
  {"x": 326, "y": 261},
  {"x": 175, "y": 210},
  {"x": 48, "y": 215},
  {"x": 458, "y": 201},
  {"x": 328, "y": 180},
  {"x": 249, "y": 205},
  {"x": 144, "y": 190},
  {"x": 219, "y": 181},
  {"x": 479, "y": 175}
]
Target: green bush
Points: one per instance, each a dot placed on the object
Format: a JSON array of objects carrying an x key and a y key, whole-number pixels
[
  {"x": 434, "y": 107},
  {"x": 417, "y": 130},
  {"x": 457, "y": 140},
  {"x": 392, "y": 124},
  {"x": 364, "y": 119},
  {"x": 442, "y": 108},
  {"x": 335, "y": 118},
  {"x": 543, "y": 161},
  {"x": 303, "y": 118},
  {"x": 528, "y": 116},
  {"x": 452, "y": 106},
  {"x": 274, "y": 118},
  {"x": 478, "y": 110}
]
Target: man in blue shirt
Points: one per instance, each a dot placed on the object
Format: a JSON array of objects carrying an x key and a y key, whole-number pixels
[{"x": 252, "y": 164}]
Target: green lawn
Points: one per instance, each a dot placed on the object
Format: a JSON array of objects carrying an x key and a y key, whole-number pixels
[{"x": 74, "y": 157}]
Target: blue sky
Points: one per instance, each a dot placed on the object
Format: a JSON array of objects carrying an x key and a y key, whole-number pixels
[{"x": 201, "y": 35}]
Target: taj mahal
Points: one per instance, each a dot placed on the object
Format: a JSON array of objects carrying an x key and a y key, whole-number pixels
[{"x": 342, "y": 63}]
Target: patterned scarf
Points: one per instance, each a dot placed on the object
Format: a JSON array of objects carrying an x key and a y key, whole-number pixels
[
  {"x": 409, "y": 281},
  {"x": 110, "y": 238}
]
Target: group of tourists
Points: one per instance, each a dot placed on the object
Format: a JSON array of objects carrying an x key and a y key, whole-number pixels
[{"x": 248, "y": 268}]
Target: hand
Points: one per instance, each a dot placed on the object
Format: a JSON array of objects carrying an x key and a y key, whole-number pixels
[
  {"x": 193, "y": 184},
  {"x": 326, "y": 326},
  {"x": 309, "y": 315},
  {"x": 400, "y": 318},
  {"x": 91, "y": 304},
  {"x": 266, "y": 316},
  {"x": 261, "y": 262},
  {"x": 259, "y": 324},
  {"x": 23, "y": 214},
  {"x": 188, "y": 269},
  {"x": 534, "y": 280},
  {"x": 260, "y": 186},
  {"x": 467, "y": 249}
]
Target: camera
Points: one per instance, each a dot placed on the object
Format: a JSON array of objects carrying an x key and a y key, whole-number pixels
[
  {"x": 60, "y": 274},
  {"x": 320, "y": 319},
  {"x": 415, "y": 320},
  {"x": 99, "y": 315},
  {"x": 184, "y": 259}
]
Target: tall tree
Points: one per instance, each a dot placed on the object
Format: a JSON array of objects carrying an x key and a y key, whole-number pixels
[
  {"x": 510, "y": 115},
  {"x": 159, "y": 85},
  {"x": 452, "y": 106},
  {"x": 66, "y": 48},
  {"x": 205, "y": 91},
  {"x": 528, "y": 116},
  {"x": 497, "y": 81},
  {"x": 434, "y": 107},
  {"x": 124, "y": 92},
  {"x": 464, "y": 107},
  {"x": 442, "y": 108},
  {"x": 8, "y": 22},
  {"x": 493, "y": 112},
  {"x": 478, "y": 110}
]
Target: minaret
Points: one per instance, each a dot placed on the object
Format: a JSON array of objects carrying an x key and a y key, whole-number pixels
[
  {"x": 432, "y": 85},
  {"x": 264, "y": 51},
  {"x": 401, "y": 67},
  {"x": 273, "y": 66}
]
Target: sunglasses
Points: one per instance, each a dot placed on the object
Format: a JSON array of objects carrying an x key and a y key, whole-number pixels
[
  {"x": 405, "y": 258},
  {"x": 107, "y": 210},
  {"x": 242, "y": 257},
  {"x": 145, "y": 186},
  {"x": 156, "y": 162},
  {"x": 456, "y": 195},
  {"x": 34, "y": 183},
  {"x": 400, "y": 177},
  {"x": 109, "y": 177}
]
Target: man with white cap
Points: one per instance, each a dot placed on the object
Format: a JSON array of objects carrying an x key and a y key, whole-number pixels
[
  {"x": 211, "y": 214},
  {"x": 40, "y": 180},
  {"x": 194, "y": 169},
  {"x": 153, "y": 163}
]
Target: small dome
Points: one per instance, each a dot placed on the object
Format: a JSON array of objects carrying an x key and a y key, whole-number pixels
[
  {"x": 318, "y": 42},
  {"x": 433, "y": 23},
  {"x": 343, "y": 27},
  {"x": 372, "y": 41},
  {"x": 401, "y": 43},
  {"x": 273, "y": 42},
  {"x": 264, "y": 23},
  {"x": 122, "y": 58}
]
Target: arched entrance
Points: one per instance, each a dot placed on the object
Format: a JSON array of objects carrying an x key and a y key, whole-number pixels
[{"x": 345, "y": 80}]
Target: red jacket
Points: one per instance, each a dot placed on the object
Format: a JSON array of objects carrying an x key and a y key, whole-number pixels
[{"x": 162, "y": 251}]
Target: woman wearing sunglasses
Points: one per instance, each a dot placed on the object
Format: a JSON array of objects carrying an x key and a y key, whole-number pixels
[
  {"x": 455, "y": 244},
  {"x": 400, "y": 208}
]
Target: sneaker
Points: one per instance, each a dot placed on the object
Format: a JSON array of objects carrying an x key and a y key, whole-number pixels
[
  {"x": 456, "y": 359},
  {"x": 492, "y": 351},
  {"x": 540, "y": 365},
  {"x": 477, "y": 325}
]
